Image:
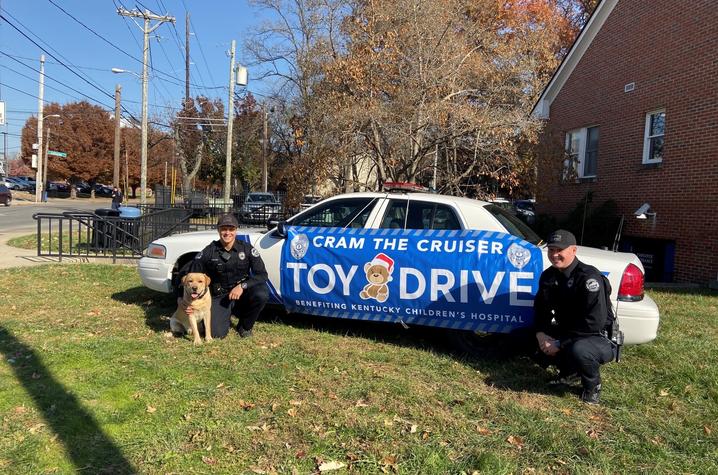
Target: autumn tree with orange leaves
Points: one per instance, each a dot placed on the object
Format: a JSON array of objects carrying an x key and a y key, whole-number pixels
[
  {"x": 85, "y": 132},
  {"x": 413, "y": 86}
]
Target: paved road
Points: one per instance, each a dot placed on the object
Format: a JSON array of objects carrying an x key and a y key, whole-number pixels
[{"x": 18, "y": 216}]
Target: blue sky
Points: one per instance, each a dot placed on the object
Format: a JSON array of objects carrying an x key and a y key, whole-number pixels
[{"x": 214, "y": 23}]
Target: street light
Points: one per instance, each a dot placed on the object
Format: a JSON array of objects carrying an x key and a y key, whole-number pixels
[
  {"x": 41, "y": 172},
  {"x": 143, "y": 160}
]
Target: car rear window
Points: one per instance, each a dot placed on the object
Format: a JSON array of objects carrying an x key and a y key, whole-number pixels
[
  {"x": 419, "y": 215},
  {"x": 513, "y": 224}
]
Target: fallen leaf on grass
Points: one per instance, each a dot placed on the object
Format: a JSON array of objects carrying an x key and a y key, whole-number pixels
[
  {"x": 707, "y": 430},
  {"x": 583, "y": 451},
  {"x": 592, "y": 433},
  {"x": 208, "y": 460},
  {"x": 516, "y": 441},
  {"x": 663, "y": 393},
  {"x": 566, "y": 412},
  {"x": 220, "y": 385},
  {"x": 292, "y": 412},
  {"x": 20, "y": 410},
  {"x": 151, "y": 409},
  {"x": 187, "y": 417},
  {"x": 361, "y": 403},
  {"x": 300, "y": 454},
  {"x": 329, "y": 466},
  {"x": 263, "y": 428},
  {"x": 246, "y": 405},
  {"x": 35, "y": 376},
  {"x": 294, "y": 402},
  {"x": 424, "y": 435},
  {"x": 94, "y": 312},
  {"x": 36, "y": 428},
  {"x": 483, "y": 431},
  {"x": 412, "y": 430}
]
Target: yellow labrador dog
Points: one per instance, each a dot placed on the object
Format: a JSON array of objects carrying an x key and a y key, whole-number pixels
[{"x": 196, "y": 295}]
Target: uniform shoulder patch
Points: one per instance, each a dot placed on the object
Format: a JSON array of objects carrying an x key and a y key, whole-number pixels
[
  {"x": 255, "y": 252},
  {"x": 199, "y": 255},
  {"x": 592, "y": 285}
]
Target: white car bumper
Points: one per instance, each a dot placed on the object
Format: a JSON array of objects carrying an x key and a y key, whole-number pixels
[
  {"x": 638, "y": 320},
  {"x": 156, "y": 274}
]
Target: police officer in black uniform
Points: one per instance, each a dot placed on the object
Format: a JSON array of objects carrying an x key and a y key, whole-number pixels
[
  {"x": 238, "y": 279},
  {"x": 572, "y": 314}
]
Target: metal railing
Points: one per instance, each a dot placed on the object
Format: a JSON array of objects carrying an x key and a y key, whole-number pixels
[{"x": 86, "y": 234}]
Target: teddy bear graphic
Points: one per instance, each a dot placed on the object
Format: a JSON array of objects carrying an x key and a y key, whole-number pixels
[{"x": 378, "y": 274}]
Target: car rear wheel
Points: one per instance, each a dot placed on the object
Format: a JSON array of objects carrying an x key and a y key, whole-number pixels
[{"x": 7, "y": 201}]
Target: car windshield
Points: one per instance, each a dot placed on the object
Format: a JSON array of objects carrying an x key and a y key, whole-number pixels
[
  {"x": 261, "y": 198},
  {"x": 513, "y": 225}
]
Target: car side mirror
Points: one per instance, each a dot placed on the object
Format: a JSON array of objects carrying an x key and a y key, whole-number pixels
[
  {"x": 272, "y": 223},
  {"x": 281, "y": 229}
]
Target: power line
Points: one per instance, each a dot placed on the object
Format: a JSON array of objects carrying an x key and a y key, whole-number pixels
[
  {"x": 53, "y": 56},
  {"x": 52, "y": 78},
  {"x": 201, "y": 50}
]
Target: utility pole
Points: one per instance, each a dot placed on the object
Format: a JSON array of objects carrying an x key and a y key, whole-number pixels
[
  {"x": 186, "y": 59},
  {"x": 230, "y": 118},
  {"x": 39, "y": 185},
  {"x": 147, "y": 29},
  {"x": 118, "y": 123},
  {"x": 45, "y": 158},
  {"x": 264, "y": 149}
]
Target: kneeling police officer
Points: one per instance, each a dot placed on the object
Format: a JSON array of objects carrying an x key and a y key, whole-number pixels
[
  {"x": 238, "y": 279},
  {"x": 574, "y": 317}
]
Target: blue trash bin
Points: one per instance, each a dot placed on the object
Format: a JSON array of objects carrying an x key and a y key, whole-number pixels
[{"x": 130, "y": 224}]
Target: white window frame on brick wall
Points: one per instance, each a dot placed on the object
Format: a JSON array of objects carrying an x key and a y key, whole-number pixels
[
  {"x": 648, "y": 137},
  {"x": 577, "y": 158}
]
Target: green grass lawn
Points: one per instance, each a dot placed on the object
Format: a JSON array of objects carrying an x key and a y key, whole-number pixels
[{"x": 91, "y": 381}]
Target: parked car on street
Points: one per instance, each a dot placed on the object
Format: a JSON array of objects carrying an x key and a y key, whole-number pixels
[
  {"x": 525, "y": 210},
  {"x": 16, "y": 184},
  {"x": 5, "y": 195},
  {"x": 259, "y": 207},
  {"x": 383, "y": 213}
]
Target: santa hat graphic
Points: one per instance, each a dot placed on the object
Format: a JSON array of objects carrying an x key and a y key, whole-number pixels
[{"x": 383, "y": 260}]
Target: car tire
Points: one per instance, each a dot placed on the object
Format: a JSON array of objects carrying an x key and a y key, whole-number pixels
[{"x": 7, "y": 201}]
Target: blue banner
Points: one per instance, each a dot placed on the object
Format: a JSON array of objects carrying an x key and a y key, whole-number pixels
[{"x": 471, "y": 280}]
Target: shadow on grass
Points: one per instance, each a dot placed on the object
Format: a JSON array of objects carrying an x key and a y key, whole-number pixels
[
  {"x": 90, "y": 449},
  {"x": 157, "y": 307},
  {"x": 504, "y": 359}
]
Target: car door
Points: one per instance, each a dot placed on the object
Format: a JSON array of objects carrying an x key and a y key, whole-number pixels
[
  {"x": 407, "y": 213},
  {"x": 345, "y": 212}
]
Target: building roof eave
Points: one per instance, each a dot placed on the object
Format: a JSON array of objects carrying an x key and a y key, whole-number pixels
[{"x": 542, "y": 107}]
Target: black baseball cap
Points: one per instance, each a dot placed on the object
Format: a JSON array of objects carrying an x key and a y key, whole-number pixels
[
  {"x": 227, "y": 220},
  {"x": 561, "y": 239}
]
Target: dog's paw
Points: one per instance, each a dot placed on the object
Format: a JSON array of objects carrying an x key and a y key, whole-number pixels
[
  {"x": 209, "y": 338},
  {"x": 197, "y": 342}
]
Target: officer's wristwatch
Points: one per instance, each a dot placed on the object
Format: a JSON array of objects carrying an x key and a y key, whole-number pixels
[{"x": 243, "y": 285}]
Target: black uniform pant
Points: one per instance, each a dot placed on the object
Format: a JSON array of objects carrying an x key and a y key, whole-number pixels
[
  {"x": 585, "y": 356},
  {"x": 247, "y": 309}
]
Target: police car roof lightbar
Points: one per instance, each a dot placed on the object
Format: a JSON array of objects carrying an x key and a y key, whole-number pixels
[{"x": 403, "y": 186}]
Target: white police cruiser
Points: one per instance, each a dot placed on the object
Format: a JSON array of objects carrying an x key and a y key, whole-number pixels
[{"x": 413, "y": 258}]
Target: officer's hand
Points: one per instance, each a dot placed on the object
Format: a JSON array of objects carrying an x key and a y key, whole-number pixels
[
  {"x": 236, "y": 292},
  {"x": 547, "y": 344},
  {"x": 188, "y": 310}
]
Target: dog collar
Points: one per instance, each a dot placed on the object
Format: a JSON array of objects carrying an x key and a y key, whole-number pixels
[{"x": 202, "y": 294}]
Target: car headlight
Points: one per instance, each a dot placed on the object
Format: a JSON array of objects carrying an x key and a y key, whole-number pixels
[{"x": 157, "y": 251}]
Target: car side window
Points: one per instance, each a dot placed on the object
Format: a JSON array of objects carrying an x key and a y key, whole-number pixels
[
  {"x": 419, "y": 215},
  {"x": 352, "y": 212}
]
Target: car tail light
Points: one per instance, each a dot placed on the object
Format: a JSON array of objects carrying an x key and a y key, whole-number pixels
[{"x": 631, "y": 288}]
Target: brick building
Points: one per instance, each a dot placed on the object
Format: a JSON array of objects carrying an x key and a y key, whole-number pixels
[{"x": 635, "y": 107}]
